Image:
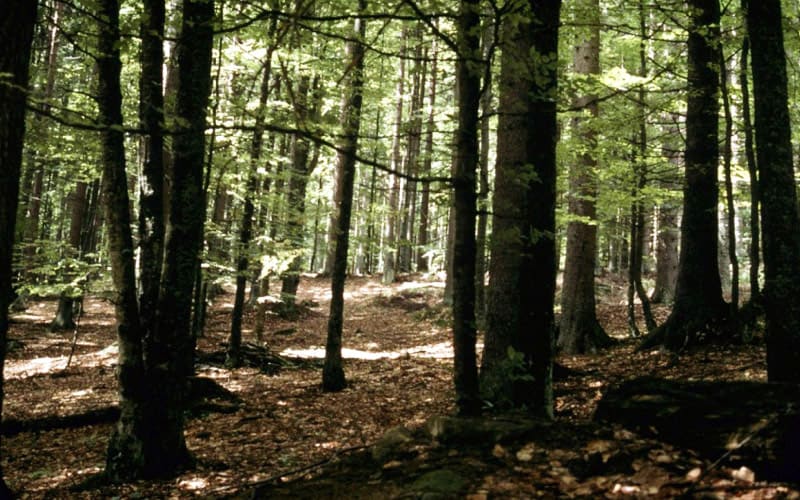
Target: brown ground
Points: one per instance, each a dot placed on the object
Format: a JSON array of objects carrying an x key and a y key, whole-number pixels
[{"x": 292, "y": 440}]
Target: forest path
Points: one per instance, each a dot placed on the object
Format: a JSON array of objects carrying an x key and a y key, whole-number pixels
[{"x": 398, "y": 363}]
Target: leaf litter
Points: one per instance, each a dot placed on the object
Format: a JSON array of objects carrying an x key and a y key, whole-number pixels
[{"x": 288, "y": 439}]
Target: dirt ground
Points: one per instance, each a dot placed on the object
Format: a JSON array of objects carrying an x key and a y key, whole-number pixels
[{"x": 289, "y": 439}]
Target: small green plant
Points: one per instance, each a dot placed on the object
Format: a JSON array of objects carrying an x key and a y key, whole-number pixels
[{"x": 508, "y": 379}]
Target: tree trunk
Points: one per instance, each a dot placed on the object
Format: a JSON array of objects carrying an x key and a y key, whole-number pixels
[
  {"x": 752, "y": 169},
  {"x": 298, "y": 183},
  {"x": 151, "y": 182},
  {"x": 522, "y": 269},
  {"x": 727, "y": 154},
  {"x": 468, "y": 80},
  {"x": 128, "y": 450},
  {"x": 579, "y": 330},
  {"x": 427, "y": 161},
  {"x": 779, "y": 217},
  {"x": 233, "y": 358},
  {"x": 333, "y": 377},
  {"x": 17, "y": 18},
  {"x": 487, "y": 49},
  {"x": 76, "y": 204},
  {"x": 698, "y": 298},
  {"x": 390, "y": 238}
]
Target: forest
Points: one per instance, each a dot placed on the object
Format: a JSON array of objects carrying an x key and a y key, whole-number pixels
[{"x": 399, "y": 248}]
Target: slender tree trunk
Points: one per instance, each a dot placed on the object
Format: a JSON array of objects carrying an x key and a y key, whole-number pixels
[
  {"x": 468, "y": 79},
  {"x": 333, "y": 378},
  {"x": 128, "y": 450},
  {"x": 727, "y": 154},
  {"x": 34, "y": 203},
  {"x": 17, "y": 18},
  {"x": 151, "y": 182},
  {"x": 76, "y": 204},
  {"x": 233, "y": 357},
  {"x": 427, "y": 161},
  {"x": 752, "y": 169},
  {"x": 579, "y": 330},
  {"x": 779, "y": 217},
  {"x": 487, "y": 49},
  {"x": 390, "y": 238}
]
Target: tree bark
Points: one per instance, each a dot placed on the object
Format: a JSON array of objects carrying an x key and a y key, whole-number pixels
[
  {"x": 779, "y": 217},
  {"x": 151, "y": 182},
  {"x": 698, "y": 302},
  {"x": 171, "y": 358},
  {"x": 468, "y": 80},
  {"x": 333, "y": 377},
  {"x": 390, "y": 235},
  {"x": 752, "y": 169},
  {"x": 427, "y": 161},
  {"x": 523, "y": 263},
  {"x": 17, "y": 18},
  {"x": 128, "y": 449},
  {"x": 579, "y": 330}
]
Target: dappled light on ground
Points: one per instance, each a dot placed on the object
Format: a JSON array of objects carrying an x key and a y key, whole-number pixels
[{"x": 398, "y": 364}]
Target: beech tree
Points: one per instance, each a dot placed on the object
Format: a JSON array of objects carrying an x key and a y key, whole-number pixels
[
  {"x": 779, "y": 217},
  {"x": 520, "y": 321},
  {"x": 333, "y": 378},
  {"x": 153, "y": 370},
  {"x": 17, "y": 18},
  {"x": 579, "y": 330},
  {"x": 698, "y": 296}
]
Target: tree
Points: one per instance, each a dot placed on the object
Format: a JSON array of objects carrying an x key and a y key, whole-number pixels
[
  {"x": 522, "y": 270},
  {"x": 333, "y": 378},
  {"x": 579, "y": 330},
  {"x": 468, "y": 80},
  {"x": 17, "y": 18},
  {"x": 698, "y": 297},
  {"x": 153, "y": 371},
  {"x": 779, "y": 218}
]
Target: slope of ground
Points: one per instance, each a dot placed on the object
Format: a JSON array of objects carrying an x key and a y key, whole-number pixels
[{"x": 288, "y": 439}]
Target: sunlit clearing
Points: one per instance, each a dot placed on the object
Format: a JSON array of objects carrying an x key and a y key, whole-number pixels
[
  {"x": 441, "y": 350},
  {"x": 194, "y": 483}
]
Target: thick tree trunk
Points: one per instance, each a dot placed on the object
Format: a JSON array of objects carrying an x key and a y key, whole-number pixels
[
  {"x": 333, "y": 377},
  {"x": 579, "y": 330},
  {"x": 171, "y": 357},
  {"x": 779, "y": 217},
  {"x": 523, "y": 262},
  {"x": 17, "y": 18},
  {"x": 698, "y": 302}
]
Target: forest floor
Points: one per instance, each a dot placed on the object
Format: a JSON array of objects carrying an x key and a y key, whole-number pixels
[{"x": 288, "y": 439}]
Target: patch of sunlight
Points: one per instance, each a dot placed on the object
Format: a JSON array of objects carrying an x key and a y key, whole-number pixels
[
  {"x": 327, "y": 446},
  {"x": 36, "y": 366},
  {"x": 193, "y": 483},
  {"x": 436, "y": 351},
  {"x": 413, "y": 285}
]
